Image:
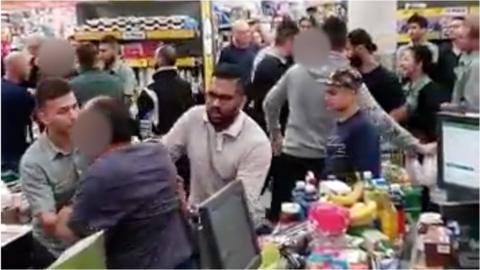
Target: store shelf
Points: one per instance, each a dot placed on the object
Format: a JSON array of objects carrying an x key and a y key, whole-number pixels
[
  {"x": 149, "y": 62},
  {"x": 137, "y": 35}
]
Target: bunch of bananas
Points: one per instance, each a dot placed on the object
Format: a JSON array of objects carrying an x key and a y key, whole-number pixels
[{"x": 361, "y": 213}]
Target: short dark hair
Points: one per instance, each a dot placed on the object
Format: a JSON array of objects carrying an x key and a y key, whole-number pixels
[
  {"x": 168, "y": 54},
  {"x": 458, "y": 18},
  {"x": 285, "y": 30},
  {"x": 49, "y": 89},
  {"x": 418, "y": 19},
  {"x": 110, "y": 40},
  {"x": 361, "y": 37},
  {"x": 336, "y": 31},
  {"x": 422, "y": 54},
  {"x": 229, "y": 71},
  {"x": 118, "y": 116},
  {"x": 87, "y": 55}
]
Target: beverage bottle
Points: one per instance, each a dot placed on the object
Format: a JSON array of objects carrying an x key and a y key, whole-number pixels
[
  {"x": 311, "y": 196},
  {"x": 298, "y": 195},
  {"x": 389, "y": 223}
]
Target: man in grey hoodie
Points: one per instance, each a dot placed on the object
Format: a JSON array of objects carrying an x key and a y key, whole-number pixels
[{"x": 310, "y": 123}]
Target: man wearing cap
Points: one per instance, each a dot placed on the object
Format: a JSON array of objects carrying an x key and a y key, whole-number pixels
[{"x": 355, "y": 144}]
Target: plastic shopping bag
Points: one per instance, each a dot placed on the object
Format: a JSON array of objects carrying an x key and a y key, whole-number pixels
[{"x": 424, "y": 173}]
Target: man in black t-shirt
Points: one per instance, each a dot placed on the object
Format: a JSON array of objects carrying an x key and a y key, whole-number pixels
[
  {"x": 382, "y": 83},
  {"x": 271, "y": 69}
]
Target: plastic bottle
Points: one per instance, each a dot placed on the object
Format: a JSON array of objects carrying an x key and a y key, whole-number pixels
[
  {"x": 389, "y": 223},
  {"x": 298, "y": 196},
  {"x": 311, "y": 196}
]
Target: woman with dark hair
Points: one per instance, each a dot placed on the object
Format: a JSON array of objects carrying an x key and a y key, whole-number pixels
[{"x": 424, "y": 96}]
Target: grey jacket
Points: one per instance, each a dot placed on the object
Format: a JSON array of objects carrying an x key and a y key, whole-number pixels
[{"x": 310, "y": 123}]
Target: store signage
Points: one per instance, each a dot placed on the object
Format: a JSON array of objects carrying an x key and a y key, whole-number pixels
[{"x": 133, "y": 35}]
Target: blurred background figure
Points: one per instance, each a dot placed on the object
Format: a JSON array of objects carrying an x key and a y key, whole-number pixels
[
  {"x": 33, "y": 44},
  {"x": 111, "y": 59},
  {"x": 92, "y": 81},
  {"x": 449, "y": 55},
  {"x": 17, "y": 109}
]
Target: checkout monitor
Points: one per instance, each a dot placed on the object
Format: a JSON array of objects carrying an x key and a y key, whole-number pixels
[
  {"x": 228, "y": 232},
  {"x": 459, "y": 156}
]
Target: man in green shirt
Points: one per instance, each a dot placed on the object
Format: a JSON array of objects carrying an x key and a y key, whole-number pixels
[{"x": 92, "y": 81}]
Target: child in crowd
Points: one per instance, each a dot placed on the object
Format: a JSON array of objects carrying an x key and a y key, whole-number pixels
[{"x": 355, "y": 144}]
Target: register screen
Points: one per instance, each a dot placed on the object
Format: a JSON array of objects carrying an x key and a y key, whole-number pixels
[{"x": 461, "y": 154}]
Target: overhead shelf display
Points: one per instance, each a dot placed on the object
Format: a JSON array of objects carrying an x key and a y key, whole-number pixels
[{"x": 136, "y": 35}]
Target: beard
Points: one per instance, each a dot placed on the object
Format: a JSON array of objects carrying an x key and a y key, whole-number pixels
[{"x": 356, "y": 61}]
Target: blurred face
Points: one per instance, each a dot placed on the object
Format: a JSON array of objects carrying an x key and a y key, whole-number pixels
[
  {"x": 106, "y": 53},
  {"x": 407, "y": 64},
  {"x": 415, "y": 32},
  {"x": 91, "y": 133},
  {"x": 454, "y": 29},
  {"x": 33, "y": 48},
  {"x": 242, "y": 35},
  {"x": 20, "y": 68},
  {"x": 257, "y": 38},
  {"x": 464, "y": 42},
  {"x": 223, "y": 102},
  {"x": 59, "y": 114},
  {"x": 289, "y": 45},
  {"x": 354, "y": 54},
  {"x": 339, "y": 98},
  {"x": 305, "y": 25}
]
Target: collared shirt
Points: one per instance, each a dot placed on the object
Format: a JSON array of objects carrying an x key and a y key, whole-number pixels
[
  {"x": 432, "y": 47},
  {"x": 412, "y": 90},
  {"x": 467, "y": 83},
  {"x": 127, "y": 77},
  {"x": 240, "y": 152},
  {"x": 49, "y": 178}
]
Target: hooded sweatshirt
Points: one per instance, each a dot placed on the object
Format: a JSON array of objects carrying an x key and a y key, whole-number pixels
[{"x": 310, "y": 123}]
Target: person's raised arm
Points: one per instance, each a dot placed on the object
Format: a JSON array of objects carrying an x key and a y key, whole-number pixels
[{"x": 389, "y": 129}]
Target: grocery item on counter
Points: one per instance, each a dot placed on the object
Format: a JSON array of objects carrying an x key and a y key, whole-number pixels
[
  {"x": 329, "y": 218},
  {"x": 290, "y": 212},
  {"x": 351, "y": 198}
]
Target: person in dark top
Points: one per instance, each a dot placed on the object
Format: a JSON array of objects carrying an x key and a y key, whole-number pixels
[
  {"x": 355, "y": 144},
  {"x": 449, "y": 56},
  {"x": 383, "y": 84},
  {"x": 137, "y": 206},
  {"x": 33, "y": 45},
  {"x": 17, "y": 109},
  {"x": 241, "y": 51},
  {"x": 91, "y": 81},
  {"x": 424, "y": 96},
  {"x": 169, "y": 96},
  {"x": 271, "y": 69}
]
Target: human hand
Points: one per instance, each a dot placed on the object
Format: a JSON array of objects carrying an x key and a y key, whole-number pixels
[
  {"x": 427, "y": 149},
  {"x": 276, "y": 139}
]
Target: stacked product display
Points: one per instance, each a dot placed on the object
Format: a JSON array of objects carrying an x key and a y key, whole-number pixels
[
  {"x": 140, "y": 23},
  {"x": 358, "y": 226}
]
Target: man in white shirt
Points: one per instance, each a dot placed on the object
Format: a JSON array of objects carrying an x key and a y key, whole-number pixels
[{"x": 222, "y": 143}]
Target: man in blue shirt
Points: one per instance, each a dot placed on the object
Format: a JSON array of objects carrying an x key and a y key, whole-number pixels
[
  {"x": 137, "y": 206},
  {"x": 355, "y": 144},
  {"x": 17, "y": 108}
]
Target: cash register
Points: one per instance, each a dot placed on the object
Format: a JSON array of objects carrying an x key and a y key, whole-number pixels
[{"x": 459, "y": 178}]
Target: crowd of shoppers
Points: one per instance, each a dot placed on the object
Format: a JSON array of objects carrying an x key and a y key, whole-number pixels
[{"x": 329, "y": 118}]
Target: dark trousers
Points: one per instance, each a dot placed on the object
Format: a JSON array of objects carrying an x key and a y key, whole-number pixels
[
  {"x": 41, "y": 257},
  {"x": 289, "y": 170}
]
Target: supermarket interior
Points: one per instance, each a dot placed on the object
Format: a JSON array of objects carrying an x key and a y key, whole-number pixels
[{"x": 242, "y": 134}]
